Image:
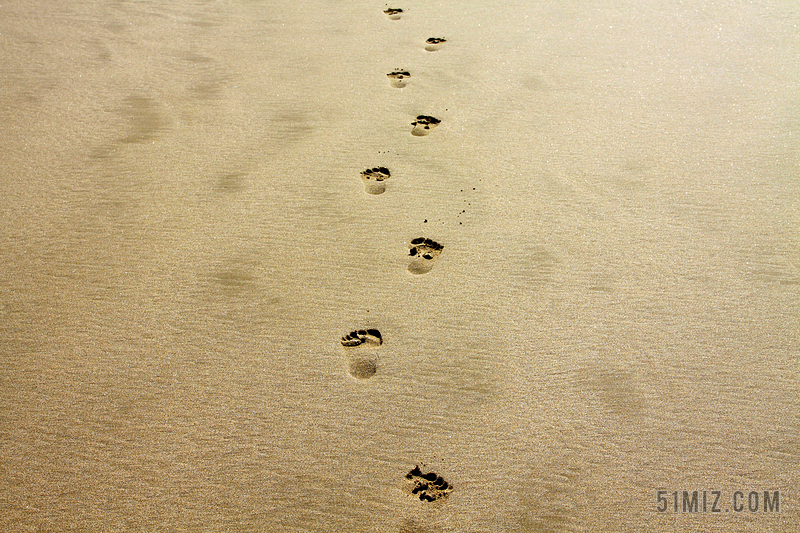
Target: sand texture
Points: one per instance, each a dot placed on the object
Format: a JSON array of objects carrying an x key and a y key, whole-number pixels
[{"x": 497, "y": 266}]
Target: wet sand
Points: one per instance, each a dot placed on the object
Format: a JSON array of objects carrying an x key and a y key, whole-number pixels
[{"x": 187, "y": 237}]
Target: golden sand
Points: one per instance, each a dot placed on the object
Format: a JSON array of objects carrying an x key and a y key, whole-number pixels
[{"x": 186, "y": 237}]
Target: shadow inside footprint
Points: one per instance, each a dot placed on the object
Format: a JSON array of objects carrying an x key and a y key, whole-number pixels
[
  {"x": 423, "y": 125},
  {"x": 363, "y": 336},
  {"x": 423, "y": 252},
  {"x": 394, "y": 13},
  {"x": 427, "y": 486},
  {"x": 434, "y": 43},
  {"x": 362, "y": 362},
  {"x": 374, "y": 179},
  {"x": 398, "y": 78}
]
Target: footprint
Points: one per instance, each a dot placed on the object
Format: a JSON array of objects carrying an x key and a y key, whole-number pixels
[
  {"x": 423, "y": 125},
  {"x": 394, "y": 13},
  {"x": 362, "y": 362},
  {"x": 374, "y": 179},
  {"x": 434, "y": 43},
  {"x": 363, "y": 336},
  {"x": 424, "y": 252},
  {"x": 398, "y": 78},
  {"x": 428, "y": 486}
]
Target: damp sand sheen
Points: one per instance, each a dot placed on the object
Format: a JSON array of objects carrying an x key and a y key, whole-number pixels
[{"x": 416, "y": 267}]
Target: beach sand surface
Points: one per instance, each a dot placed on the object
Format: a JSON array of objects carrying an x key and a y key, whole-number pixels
[{"x": 186, "y": 237}]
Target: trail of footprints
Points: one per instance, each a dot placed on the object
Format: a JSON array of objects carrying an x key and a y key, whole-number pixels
[{"x": 361, "y": 346}]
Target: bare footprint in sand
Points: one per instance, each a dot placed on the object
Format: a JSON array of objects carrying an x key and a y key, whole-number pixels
[
  {"x": 362, "y": 361},
  {"x": 398, "y": 78},
  {"x": 394, "y": 13},
  {"x": 423, "y": 125},
  {"x": 434, "y": 43},
  {"x": 427, "y": 486},
  {"x": 374, "y": 179},
  {"x": 423, "y": 252}
]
